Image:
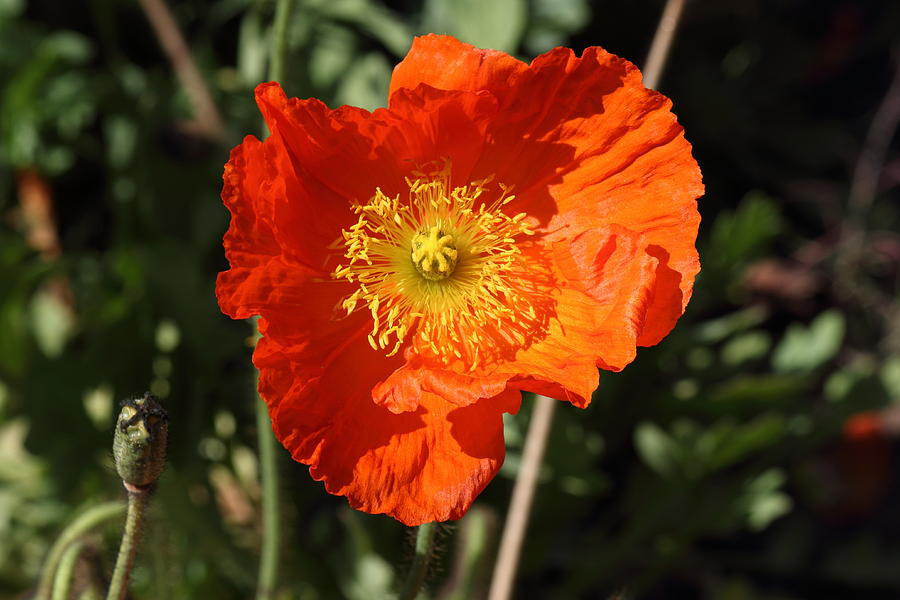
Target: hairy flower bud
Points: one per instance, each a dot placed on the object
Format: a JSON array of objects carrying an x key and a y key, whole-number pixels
[{"x": 139, "y": 445}]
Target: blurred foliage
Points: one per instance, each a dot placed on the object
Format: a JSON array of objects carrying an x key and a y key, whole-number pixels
[{"x": 750, "y": 455}]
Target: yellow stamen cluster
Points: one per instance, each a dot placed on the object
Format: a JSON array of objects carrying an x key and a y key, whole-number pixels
[{"x": 444, "y": 268}]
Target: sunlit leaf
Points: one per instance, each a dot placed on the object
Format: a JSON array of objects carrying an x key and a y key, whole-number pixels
[
  {"x": 805, "y": 348},
  {"x": 498, "y": 24},
  {"x": 366, "y": 83},
  {"x": 656, "y": 448}
]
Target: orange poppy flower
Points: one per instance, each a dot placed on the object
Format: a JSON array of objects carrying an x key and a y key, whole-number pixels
[{"x": 499, "y": 227}]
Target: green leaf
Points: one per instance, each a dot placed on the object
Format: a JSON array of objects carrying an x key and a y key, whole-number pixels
[
  {"x": 332, "y": 55},
  {"x": 717, "y": 330},
  {"x": 739, "y": 237},
  {"x": 371, "y": 17},
  {"x": 366, "y": 83},
  {"x": 804, "y": 348},
  {"x": 52, "y": 322},
  {"x": 736, "y": 443},
  {"x": 499, "y": 24},
  {"x": 890, "y": 377},
  {"x": 745, "y": 347},
  {"x": 763, "y": 499},
  {"x": 253, "y": 48},
  {"x": 10, "y": 8},
  {"x": 656, "y": 448},
  {"x": 553, "y": 21}
]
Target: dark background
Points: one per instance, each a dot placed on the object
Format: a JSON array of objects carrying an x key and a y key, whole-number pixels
[{"x": 752, "y": 454}]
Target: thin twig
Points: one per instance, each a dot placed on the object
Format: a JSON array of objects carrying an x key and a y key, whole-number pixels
[
  {"x": 864, "y": 184},
  {"x": 851, "y": 248},
  {"x": 539, "y": 429},
  {"x": 522, "y": 497},
  {"x": 176, "y": 49},
  {"x": 662, "y": 43}
]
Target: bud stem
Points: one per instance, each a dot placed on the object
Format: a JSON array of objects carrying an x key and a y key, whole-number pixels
[
  {"x": 80, "y": 526},
  {"x": 418, "y": 570},
  {"x": 137, "y": 503},
  {"x": 63, "y": 579}
]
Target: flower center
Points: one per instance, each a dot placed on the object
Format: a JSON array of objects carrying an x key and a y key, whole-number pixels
[
  {"x": 434, "y": 253},
  {"x": 443, "y": 269}
]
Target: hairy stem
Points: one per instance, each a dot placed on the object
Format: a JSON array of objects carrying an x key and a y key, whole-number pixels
[
  {"x": 137, "y": 504},
  {"x": 418, "y": 570},
  {"x": 268, "y": 562}
]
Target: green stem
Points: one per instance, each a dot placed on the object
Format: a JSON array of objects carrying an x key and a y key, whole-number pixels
[
  {"x": 81, "y": 525},
  {"x": 279, "y": 39},
  {"x": 63, "y": 579},
  {"x": 268, "y": 562},
  {"x": 137, "y": 503},
  {"x": 419, "y": 568}
]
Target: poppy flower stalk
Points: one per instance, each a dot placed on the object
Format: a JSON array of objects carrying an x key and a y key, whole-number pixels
[
  {"x": 271, "y": 534},
  {"x": 500, "y": 227}
]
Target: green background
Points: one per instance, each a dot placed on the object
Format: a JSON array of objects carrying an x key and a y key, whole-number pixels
[{"x": 719, "y": 465}]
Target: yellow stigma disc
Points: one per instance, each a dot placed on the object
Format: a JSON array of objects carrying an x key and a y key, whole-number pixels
[{"x": 434, "y": 253}]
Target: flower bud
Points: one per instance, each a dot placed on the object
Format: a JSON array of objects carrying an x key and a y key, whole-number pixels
[{"x": 139, "y": 445}]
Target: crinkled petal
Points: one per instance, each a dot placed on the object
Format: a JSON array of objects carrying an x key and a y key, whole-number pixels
[
  {"x": 444, "y": 62},
  {"x": 347, "y": 152},
  {"x": 419, "y": 466},
  {"x": 612, "y": 281},
  {"x": 298, "y": 302},
  {"x": 597, "y": 161},
  {"x": 596, "y": 147},
  {"x": 403, "y": 390}
]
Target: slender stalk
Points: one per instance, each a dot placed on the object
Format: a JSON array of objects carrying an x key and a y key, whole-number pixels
[
  {"x": 271, "y": 543},
  {"x": 522, "y": 497},
  {"x": 473, "y": 555},
  {"x": 864, "y": 184},
  {"x": 81, "y": 525},
  {"x": 137, "y": 503},
  {"x": 662, "y": 43},
  {"x": 279, "y": 41},
  {"x": 271, "y": 535},
  {"x": 63, "y": 579},
  {"x": 419, "y": 568},
  {"x": 178, "y": 53}
]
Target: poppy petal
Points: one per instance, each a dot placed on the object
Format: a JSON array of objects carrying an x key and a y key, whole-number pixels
[
  {"x": 381, "y": 148},
  {"x": 611, "y": 281},
  {"x": 421, "y": 466},
  {"x": 402, "y": 391},
  {"x": 444, "y": 62}
]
